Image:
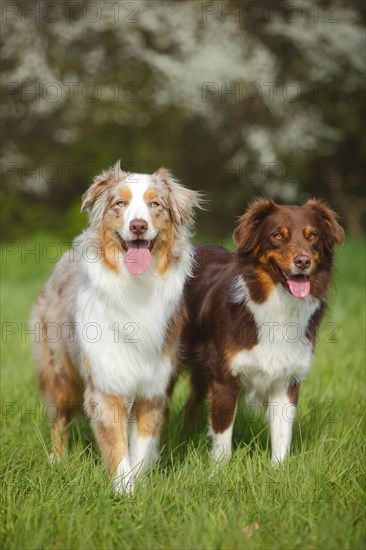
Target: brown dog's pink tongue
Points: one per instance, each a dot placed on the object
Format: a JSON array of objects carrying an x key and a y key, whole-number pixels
[
  {"x": 138, "y": 258},
  {"x": 299, "y": 286}
]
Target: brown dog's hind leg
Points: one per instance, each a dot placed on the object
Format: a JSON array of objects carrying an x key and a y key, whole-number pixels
[
  {"x": 222, "y": 409},
  {"x": 199, "y": 385}
]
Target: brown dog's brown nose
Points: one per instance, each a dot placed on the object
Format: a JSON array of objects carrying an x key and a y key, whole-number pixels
[
  {"x": 138, "y": 227},
  {"x": 303, "y": 261}
]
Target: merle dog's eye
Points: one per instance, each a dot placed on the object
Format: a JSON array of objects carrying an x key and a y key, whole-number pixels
[
  {"x": 278, "y": 236},
  {"x": 121, "y": 203},
  {"x": 154, "y": 204}
]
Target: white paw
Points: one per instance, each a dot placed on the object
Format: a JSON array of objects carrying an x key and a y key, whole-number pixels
[
  {"x": 54, "y": 458},
  {"x": 220, "y": 455},
  {"x": 221, "y": 444},
  {"x": 124, "y": 484},
  {"x": 124, "y": 480},
  {"x": 121, "y": 486},
  {"x": 277, "y": 460}
]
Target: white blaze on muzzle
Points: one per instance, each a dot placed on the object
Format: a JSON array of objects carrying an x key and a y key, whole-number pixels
[{"x": 138, "y": 254}]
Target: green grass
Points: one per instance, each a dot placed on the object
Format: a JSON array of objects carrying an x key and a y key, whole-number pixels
[{"x": 316, "y": 500}]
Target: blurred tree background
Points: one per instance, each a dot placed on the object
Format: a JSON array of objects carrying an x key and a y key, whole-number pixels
[{"x": 237, "y": 98}]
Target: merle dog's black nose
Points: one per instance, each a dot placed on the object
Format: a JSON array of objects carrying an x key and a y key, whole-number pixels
[
  {"x": 138, "y": 227},
  {"x": 302, "y": 261}
]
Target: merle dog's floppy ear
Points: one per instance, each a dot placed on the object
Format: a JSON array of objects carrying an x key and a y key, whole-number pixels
[
  {"x": 332, "y": 232},
  {"x": 94, "y": 200},
  {"x": 180, "y": 200},
  {"x": 246, "y": 235},
  {"x": 99, "y": 185}
]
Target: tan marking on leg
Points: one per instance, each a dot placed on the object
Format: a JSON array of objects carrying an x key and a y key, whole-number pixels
[
  {"x": 150, "y": 415},
  {"x": 59, "y": 434},
  {"x": 109, "y": 423}
]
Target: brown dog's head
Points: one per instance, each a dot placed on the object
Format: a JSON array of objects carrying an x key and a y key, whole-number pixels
[{"x": 290, "y": 242}]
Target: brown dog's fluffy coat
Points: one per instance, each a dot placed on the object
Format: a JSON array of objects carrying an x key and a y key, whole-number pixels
[{"x": 253, "y": 316}]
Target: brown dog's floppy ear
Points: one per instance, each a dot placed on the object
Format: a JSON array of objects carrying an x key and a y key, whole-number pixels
[
  {"x": 181, "y": 201},
  {"x": 245, "y": 235},
  {"x": 332, "y": 231}
]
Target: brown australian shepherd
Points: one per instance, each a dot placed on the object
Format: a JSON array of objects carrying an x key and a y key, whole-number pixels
[{"x": 253, "y": 316}]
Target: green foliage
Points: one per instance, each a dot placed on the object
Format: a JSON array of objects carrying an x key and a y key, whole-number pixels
[
  {"x": 316, "y": 500},
  {"x": 237, "y": 100},
  {"x": 20, "y": 219}
]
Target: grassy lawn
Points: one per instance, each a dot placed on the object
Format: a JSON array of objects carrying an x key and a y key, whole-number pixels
[{"x": 316, "y": 500}]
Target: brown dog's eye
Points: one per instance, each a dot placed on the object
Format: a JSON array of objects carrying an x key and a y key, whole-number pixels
[
  {"x": 154, "y": 204},
  {"x": 312, "y": 236},
  {"x": 122, "y": 203},
  {"x": 278, "y": 236}
]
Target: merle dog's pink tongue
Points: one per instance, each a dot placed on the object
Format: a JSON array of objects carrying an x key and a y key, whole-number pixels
[
  {"x": 299, "y": 286},
  {"x": 138, "y": 258}
]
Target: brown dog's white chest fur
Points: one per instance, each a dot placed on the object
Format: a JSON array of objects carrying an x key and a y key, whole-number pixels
[{"x": 283, "y": 352}]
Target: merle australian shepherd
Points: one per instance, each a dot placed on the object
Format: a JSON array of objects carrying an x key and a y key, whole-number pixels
[
  {"x": 109, "y": 317},
  {"x": 254, "y": 314}
]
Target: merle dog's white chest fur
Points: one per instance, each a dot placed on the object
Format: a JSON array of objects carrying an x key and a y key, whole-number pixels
[{"x": 130, "y": 317}]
